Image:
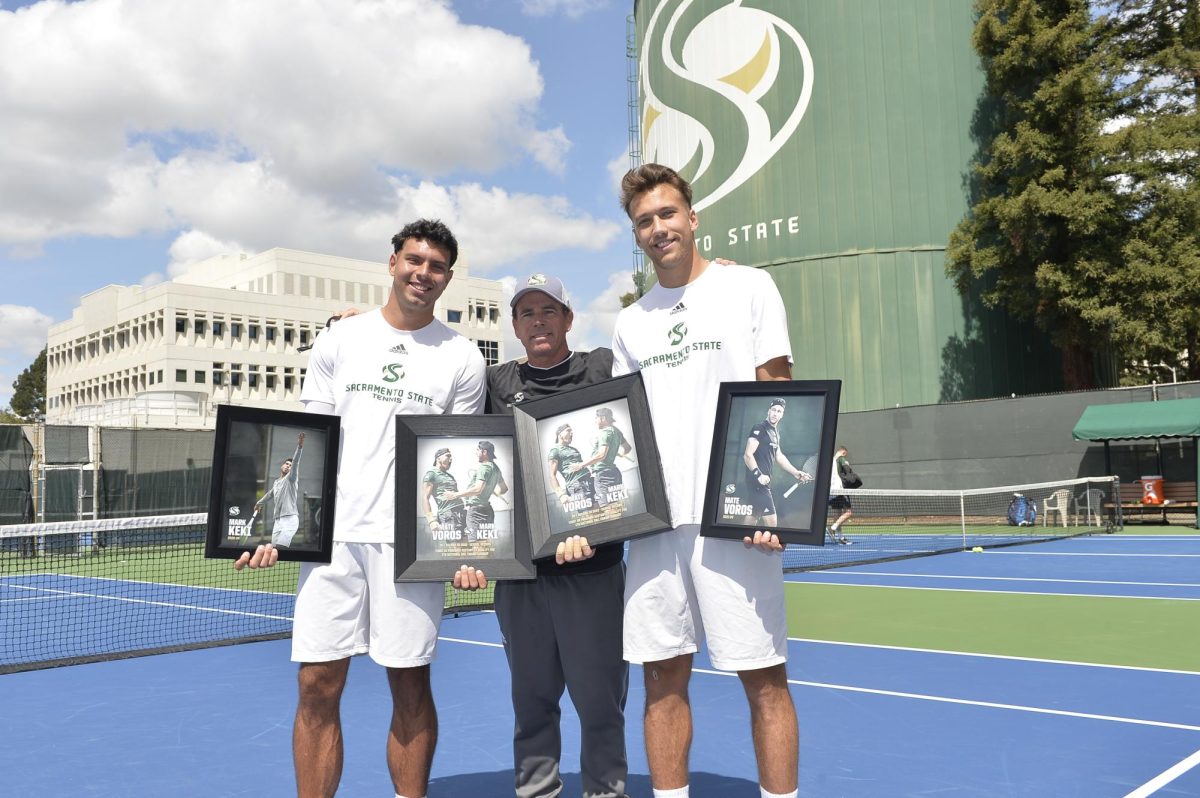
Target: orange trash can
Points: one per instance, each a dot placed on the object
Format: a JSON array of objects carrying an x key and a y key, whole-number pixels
[{"x": 1152, "y": 490}]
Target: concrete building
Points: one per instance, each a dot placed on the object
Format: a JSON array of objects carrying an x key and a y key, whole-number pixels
[{"x": 233, "y": 330}]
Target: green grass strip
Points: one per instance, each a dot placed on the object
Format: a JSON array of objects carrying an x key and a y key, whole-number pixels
[{"x": 1153, "y": 633}]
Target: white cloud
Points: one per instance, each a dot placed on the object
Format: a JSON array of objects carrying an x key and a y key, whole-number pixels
[
  {"x": 571, "y": 8},
  {"x": 24, "y": 329},
  {"x": 550, "y": 148},
  {"x": 313, "y": 125},
  {"x": 617, "y": 168},
  {"x": 594, "y": 324}
]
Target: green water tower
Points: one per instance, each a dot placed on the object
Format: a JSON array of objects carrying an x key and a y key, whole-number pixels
[{"x": 829, "y": 143}]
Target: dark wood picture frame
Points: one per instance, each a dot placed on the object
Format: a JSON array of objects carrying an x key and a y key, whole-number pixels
[
  {"x": 807, "y": 427},
  {"x": 250, "y": 444},
  {"x": 432, "y": 552},
  {"x": 635, "y": 501}
]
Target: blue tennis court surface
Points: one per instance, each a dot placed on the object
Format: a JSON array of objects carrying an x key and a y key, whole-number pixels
[
  {"x": 154, "y": 611},
  {"x": 875, "y": 720}
]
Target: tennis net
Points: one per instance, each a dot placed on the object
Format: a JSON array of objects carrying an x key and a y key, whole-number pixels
[
  {"x": 83, "y": 591},
  {"x": 896, "y": 524}
]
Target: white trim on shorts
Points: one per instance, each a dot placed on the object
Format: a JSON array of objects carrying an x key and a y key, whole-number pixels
[
  {"x": 353, "y": 606},
  {"x": 681, "y": 588},
  {"x": 284, "y": 530}
]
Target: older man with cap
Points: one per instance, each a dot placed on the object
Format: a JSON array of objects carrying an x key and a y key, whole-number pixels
[{"x": 564, "y": 629}]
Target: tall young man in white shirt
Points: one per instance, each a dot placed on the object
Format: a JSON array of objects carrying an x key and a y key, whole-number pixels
[
  {"x": 369, "y": 368},
  {"x": 701, "y": 325}
]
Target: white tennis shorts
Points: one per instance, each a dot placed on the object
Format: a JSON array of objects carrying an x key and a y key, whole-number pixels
[
  {"x": 353, "y": 606},
  {"x": 284, "y": 530},
  {"x": 681, "y": 588}
]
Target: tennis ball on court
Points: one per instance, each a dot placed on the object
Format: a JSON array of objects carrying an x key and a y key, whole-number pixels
[{"x": 978, "y": 549}]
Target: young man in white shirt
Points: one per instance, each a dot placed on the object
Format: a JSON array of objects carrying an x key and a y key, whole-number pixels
[
  {"x": 701, "y": 325},
  {"x": 352, "y": 605}
]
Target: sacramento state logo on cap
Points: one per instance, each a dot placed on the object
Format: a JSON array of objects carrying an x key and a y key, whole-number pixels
[{"x": 537, "y": 279}]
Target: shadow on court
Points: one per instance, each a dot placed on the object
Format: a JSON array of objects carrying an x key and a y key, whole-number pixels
[{"x": 500, "y": 783}]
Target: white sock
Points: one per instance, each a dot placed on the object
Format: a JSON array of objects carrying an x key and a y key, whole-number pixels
[
  {"x": 679, "y": 792},
  {"x": 398, "y": 795},
  {"x": 766, "y": 794},
  {"x": 834, "y": 528}
]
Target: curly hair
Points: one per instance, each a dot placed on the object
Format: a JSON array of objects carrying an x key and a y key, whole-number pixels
[{"x": 431, "y": 231}]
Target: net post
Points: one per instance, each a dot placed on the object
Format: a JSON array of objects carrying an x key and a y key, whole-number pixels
[{"x": 962, "y": 517}]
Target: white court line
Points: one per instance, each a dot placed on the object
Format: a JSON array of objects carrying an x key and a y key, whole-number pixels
[
  {"x": 1001, "y": 578},
  {"x": 170, "y": 604},
  {"x": 925, "y": 697},
  {"x": 1166, "y": 777},
  {"x": 997, "y": 592},
  {"x": 470, "y": 642},
  {"x": 1081, "y": 554},
  {"x": 1009, "y": 657},
  {"x": 968, "y": 702}
]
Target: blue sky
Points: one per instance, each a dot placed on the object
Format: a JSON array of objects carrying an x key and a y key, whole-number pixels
[{"x": 141, "y": 136}]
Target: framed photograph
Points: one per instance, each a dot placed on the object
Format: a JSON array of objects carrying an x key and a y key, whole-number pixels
[
  {"x": 765, "y": 431},
  {"x": 458, "y": 499},
  {"x": 590, "y": 465},
  {"x": 274, "y": 480}
]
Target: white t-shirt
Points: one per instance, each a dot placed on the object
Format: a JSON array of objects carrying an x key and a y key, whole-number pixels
[
  {"x": 371, "y": 372},
  {"x": 686, "y": 341}
]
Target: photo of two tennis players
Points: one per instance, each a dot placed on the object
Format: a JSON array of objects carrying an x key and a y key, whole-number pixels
[
  {"x": 463, "y": 512},
  {"x": 591, "y": 467}
]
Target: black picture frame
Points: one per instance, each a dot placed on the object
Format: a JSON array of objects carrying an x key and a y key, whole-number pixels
[
  {"x": 426, "y": 552},
  {"x": 807, "y": 426},
  {"x": 635, "y": 498},
  {"x": 250, "y": 444}
]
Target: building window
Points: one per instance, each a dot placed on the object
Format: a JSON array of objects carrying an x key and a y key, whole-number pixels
[
  {"x": 253, "y": 380},
  {"x": 198, "y": 377},
  {"x": 494, "y": 314},
  {"x": 235, "y": 379},
  {"x": 454, "y": 316},
  {"x": 253, "y": 332},
  {"x": 218, "y": 378},
  {"x": 287, "y": 335},
  {"x": 160, "y": 379},
  {"x": 180, "y": 325},
  {"x": 198, "y": 324},
  {"x": 180, "y": 375},
  {"x": 270, "y": 335},
  {"x": 303, "y": 337},
  {"x": 235, "y": 329},
  {"x": 218, "y": 329},
  {"x": 270, "y": 382},
  {"x": 152, "y": 378},
  {"x": 490, "y": 350},
  {"x": 287, "y": 382}
]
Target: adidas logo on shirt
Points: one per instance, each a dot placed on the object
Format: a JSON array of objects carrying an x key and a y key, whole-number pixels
[
  {"x": 680, "y": 308},
  {"x": 399, "y": 349}
]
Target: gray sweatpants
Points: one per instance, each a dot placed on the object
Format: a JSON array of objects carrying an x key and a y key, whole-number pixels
[{"x": 565, "y": 631}]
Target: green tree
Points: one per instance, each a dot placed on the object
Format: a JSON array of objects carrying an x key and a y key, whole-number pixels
[
  {"x": 9, "y": 417},
  {"x": 1038, "y": 239},
  {"x": 29, "y": 391},
  {"x": 1153, "y": 154},
  {"x": 641, "y": 284}
]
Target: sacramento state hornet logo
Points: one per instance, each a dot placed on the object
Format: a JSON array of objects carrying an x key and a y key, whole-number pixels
[
  {"x": 393, "y": 372},
  {"x": 747, "y": 110},
  {"x": 677, "y": 333}
]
